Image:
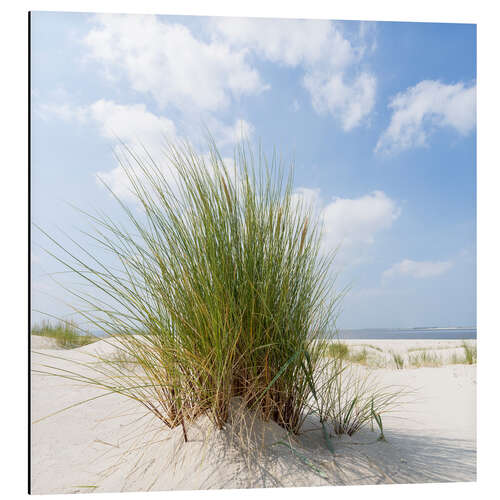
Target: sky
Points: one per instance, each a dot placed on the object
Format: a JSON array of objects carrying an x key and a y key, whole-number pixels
[{"x": 379, "y": 119}]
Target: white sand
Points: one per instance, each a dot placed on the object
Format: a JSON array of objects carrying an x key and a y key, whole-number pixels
[
  {"x": 39, "y": 342},
  {"x": 101, "y": 445}
]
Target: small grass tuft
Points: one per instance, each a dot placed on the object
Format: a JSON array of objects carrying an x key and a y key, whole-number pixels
[
  {"x": 424, "y": 359},
  {"x": 470, "y": 353},
  {"x": 360, "y": 357},
  {"x": 353, "y": 398},
  {"x": 338, "y": 350},
  {"x": 65, "y": 333},
  {"x": 398, "y": 360}
]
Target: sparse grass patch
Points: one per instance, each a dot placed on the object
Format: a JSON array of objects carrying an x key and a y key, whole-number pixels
[
  {"x": 376, "y": 361},
  {"x": 360, "y": 357},
  {"x": 342, "y": 351},
  {"x": 437, "y": 348},
  {"x": 424, "y": 359},
  {"x": 353, "y": 398},
  {"x": 469, "y": 357},
  {"x": 65, "y": 333},
  {"x": 470, "y": 353},
  {"x": 338, "y": 350},
  {"x": 398, "y": 360}
]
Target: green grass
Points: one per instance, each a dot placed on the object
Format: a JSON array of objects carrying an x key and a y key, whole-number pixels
[
  {"x": 470, "y": 353},
  {"x": 416, "y": 357},
  {"x": 469, "y": 357},
  {"x": 65, "y": 333},
  {"x": 350, "y": 400},
  {"x": 424, "y": 359},
  {"x": 360, "y": 357},
  {"x": 398, "y": 360},
  {"x": 218, "y": 288},
  {"x": 339, "y": 350}
]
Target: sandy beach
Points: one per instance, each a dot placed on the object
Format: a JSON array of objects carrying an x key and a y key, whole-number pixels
[{"x": 109, "y": 444}]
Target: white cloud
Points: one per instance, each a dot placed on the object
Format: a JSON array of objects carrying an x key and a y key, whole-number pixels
[
  {"x": 167, "y": 61},
  {"x": 288, "y": 41},
  {"x": 356, "y": 221},
  {"x": 307, "y": 198},
  {"x": 141, "y": 131},
  {"x": 415, "y": 269},
  {"x": 350, "y": 101},
  {"x": 195, "y": 74},
  {"x": 419, "y": 110},
  {"x": 229, "y": 134},
  {"x": 327, "y": 56},
  {"x": 129, "y": 123},
  {"x": 133, "y": 125},
  {"x": 350, "y": 224},
  {"x": 138, "y": 129}
]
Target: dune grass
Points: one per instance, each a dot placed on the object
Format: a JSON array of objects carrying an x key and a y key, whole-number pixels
[
  {"x": 342, "y": 351},
  {"x": 469, "y": 357},
  {"x": 361, "y": 357},
  {"x": 424, "y": 359},
  {"x": 65, "y": 333},
  {"x": 415, "y": 357},
  {"x": 470, "y": 353},
  {"x": 337, "y": 349},
  {"x": 353, "y": 397},
  {"x": 398, "y": 360},
  {"x": 218, "y": 288}
]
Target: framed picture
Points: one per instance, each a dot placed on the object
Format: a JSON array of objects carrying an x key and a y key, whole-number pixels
[{"x": 252, "y": 252}]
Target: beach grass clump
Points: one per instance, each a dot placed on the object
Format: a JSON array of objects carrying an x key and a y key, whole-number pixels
[
  {"x": 398, "y": 360},
  {"x": 66, "y": 334},
  {"x": 360, "y": 357},
  {"x": 469, "y": 356},
  {"x": 470, "y": 353},
  {"x": 424, "y": 359},
  {"x": 338, "y": 350},
  {"x": 353, "y": 398},
  {"x": 217, "y": 288}
]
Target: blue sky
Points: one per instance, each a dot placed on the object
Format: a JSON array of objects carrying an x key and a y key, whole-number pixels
[{"x": 379, "y": 118}]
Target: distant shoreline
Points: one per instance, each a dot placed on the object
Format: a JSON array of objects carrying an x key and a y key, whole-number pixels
[{"x": 429, "y": 333}]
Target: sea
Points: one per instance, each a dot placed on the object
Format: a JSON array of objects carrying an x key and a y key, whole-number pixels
[{"x": 430, "y": 333}]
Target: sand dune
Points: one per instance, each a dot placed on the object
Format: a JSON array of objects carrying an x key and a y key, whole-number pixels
[
  {"x": 38, "y": 342},
  {"x": 109, "y": 444}
]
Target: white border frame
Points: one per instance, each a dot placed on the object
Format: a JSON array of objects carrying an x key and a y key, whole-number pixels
[{"x": 14, "y": 252}]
